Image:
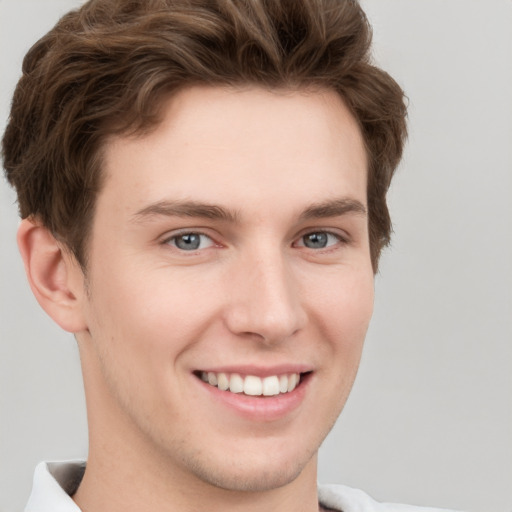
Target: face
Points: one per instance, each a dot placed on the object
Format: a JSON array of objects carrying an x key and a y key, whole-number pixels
[{"x": 229, "y": 285}]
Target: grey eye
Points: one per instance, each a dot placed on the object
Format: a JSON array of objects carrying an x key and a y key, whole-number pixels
[
  {"x": 316, "y": 240},
  {"x": 188, "y": 241}
]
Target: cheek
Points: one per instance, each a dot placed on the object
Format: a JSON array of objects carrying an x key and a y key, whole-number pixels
[
  {"x": 343, "y": 309},
  {"x": 154, "y": 309},
  {"x": 351, "y": 310}
]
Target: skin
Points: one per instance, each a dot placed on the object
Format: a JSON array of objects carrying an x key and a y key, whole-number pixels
[{"x": 278, "y": 165}]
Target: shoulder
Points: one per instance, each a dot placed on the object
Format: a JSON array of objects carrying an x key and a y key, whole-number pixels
[{"x": 347, "y": 499}]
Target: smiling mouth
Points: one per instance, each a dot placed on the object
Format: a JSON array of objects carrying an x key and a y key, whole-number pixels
[{"x": 252, "y": 385}]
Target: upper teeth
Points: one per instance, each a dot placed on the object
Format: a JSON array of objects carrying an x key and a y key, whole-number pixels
[{"x": 252, "y": 385}]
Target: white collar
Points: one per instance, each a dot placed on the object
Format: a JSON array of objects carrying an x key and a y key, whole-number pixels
[{"x": 54, "y": 483}]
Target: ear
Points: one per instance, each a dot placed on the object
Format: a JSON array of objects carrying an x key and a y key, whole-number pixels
[{"x": 54, "y": 275}]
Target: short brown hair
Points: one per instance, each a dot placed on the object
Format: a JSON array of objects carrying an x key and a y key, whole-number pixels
[{"x": 106, "y": 68}]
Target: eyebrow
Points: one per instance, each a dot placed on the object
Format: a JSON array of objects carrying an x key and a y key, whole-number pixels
[
  {"x": 334, "y": 208},
  {"x": 170, "y": 208}
]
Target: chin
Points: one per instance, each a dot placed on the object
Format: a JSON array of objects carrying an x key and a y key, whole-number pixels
[
  {"x": 253, "y": 474},
  {"x": 250, "y": 479}
]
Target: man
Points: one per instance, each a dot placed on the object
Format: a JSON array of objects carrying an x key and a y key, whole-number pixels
[{"x": 202, "y": 187}]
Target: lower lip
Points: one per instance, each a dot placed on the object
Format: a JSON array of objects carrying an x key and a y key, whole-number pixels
[{"x": 260, "y": 408}]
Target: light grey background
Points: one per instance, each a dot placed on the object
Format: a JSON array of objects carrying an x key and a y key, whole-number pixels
[{"x": 430, "y": 418}]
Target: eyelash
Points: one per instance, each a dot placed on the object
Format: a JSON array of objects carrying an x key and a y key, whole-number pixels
[{"x": 341, "y": 240}]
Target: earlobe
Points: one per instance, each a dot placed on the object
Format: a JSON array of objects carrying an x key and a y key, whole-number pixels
[{"x": 54, "y": 276}]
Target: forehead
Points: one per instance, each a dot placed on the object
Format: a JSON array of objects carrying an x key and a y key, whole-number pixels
[{"x": 228, "y": 144}]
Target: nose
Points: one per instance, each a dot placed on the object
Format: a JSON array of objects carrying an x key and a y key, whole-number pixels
[{"x": 263, "y": 299}]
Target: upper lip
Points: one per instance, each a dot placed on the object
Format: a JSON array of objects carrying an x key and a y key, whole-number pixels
[{"x": 259, "y": 371}]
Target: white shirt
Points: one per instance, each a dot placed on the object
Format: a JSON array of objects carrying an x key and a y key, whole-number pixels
[{"x": 54, "y": 482}]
